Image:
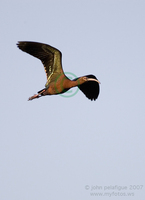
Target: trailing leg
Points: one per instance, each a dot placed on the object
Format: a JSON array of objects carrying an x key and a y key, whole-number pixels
[{"x": 40, "y": 93}]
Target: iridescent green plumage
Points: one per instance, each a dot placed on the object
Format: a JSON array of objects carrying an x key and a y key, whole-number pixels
[{"x": 57, "y": 81}]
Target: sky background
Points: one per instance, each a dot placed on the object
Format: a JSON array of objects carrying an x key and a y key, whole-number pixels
[{"x": 73, "y": 148}]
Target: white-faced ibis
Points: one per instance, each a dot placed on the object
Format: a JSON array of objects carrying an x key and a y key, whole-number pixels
[{"x": 57, "y": 81}]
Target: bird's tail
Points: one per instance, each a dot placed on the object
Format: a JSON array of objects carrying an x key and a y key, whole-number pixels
[{"x": 41, "y": 91}]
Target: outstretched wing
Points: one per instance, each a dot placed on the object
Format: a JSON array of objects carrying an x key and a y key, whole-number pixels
[
  {"x": 90, "y": 88},
  {"x": 49, "y": 56}
]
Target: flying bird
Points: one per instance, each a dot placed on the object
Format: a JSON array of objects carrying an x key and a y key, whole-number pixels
[{"x": 57, "y": 81}]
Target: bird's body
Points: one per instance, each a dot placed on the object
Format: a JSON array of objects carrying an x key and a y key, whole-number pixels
[{"x": 57, "y": 81}]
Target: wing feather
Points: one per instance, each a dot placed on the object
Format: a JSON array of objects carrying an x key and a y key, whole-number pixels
[
  {"x": 90, "y": 88},
  {"x": 49, "y": 56}
]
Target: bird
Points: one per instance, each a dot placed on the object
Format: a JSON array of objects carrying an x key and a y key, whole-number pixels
[{"x": 57, "y": 81}]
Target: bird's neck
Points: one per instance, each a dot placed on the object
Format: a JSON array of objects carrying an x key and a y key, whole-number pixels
[{"x": 71, "y": 83}]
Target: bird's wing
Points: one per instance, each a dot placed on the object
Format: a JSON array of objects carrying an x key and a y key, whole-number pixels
[
  {"x": 49, "y": 56},
  {"x": 90, "y": 88}
]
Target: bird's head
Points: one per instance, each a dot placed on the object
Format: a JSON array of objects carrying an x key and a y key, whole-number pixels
[{"x": 84, "y": 79}]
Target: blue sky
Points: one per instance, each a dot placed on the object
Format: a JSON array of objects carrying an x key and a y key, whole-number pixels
[{"x": 56, "y": 147}]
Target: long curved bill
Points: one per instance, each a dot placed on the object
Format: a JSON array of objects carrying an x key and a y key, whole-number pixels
[{"x": 92, "y": 79}]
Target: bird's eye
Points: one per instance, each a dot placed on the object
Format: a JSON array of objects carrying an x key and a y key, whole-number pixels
[{"x": 85, "y": 78}]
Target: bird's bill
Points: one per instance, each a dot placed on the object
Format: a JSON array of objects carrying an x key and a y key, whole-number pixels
[{"x": 92, "y": 79}]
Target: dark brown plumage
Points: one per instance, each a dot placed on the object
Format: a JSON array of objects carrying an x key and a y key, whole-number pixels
[{"x": 57, "y": 81}]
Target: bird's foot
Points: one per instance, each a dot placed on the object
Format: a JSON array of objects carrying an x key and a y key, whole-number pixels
[
  {"x": 36, "y": 95},
  {"x": 33, "y": 97}
]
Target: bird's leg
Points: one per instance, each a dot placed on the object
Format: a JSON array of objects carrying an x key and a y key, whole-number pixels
[{"x": 36, "y": 95}]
